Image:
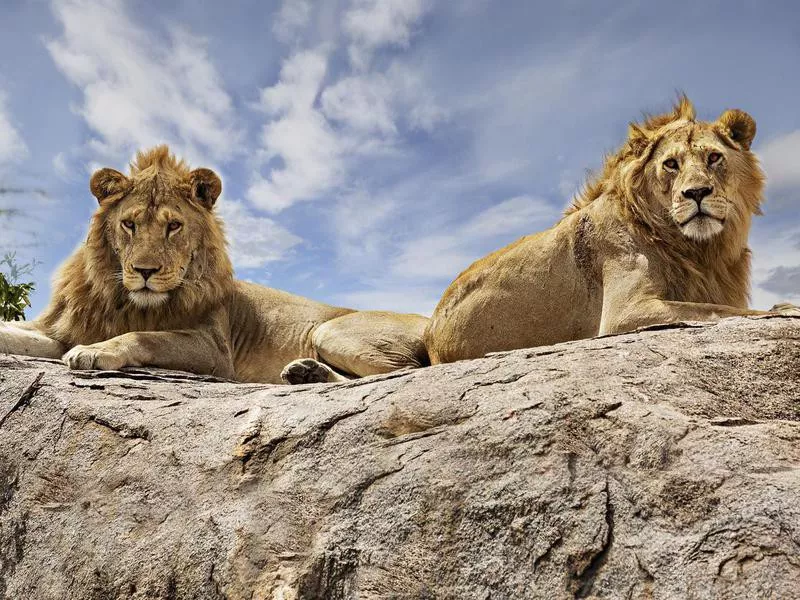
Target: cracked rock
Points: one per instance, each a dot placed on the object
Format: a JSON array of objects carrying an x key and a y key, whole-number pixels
[{"x": 659, "y": 464}]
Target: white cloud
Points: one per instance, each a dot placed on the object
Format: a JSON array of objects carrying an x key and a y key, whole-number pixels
[
  {"x": 12, "y": 146},
  {"x": 60, "y": 165},
  {"x": 372, "y": 24},
  {"x": 291, "y": 18},
  {"x": 784, "y": 281},
  {"x": 775, "y": 255},
  {"x": 412, "y": 94},
  {"x": 443, "y": 256},
  {"x": 298, "y": 136},
  {"x": 361, "y": 225},
  {"x": 315, "y": 132},
  {"x": 319, "y": 123},
  {"x": 311, "y": 158},
  {"x": 377, "y": 103},
  {"x": 300, "y": 81},
  {"x": 254, "y": 241},
  {"x": 776, "y": 252},
  {"x": 363, "y": 103},
  {"x": 781, "y": 161},
  {"x": 359, "y": 212},
  {"x": 521, "y": 213},
  {"x": 138, "y": 90}
]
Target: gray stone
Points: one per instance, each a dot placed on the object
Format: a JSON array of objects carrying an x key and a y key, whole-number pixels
[{"x": 659, "y": 464}]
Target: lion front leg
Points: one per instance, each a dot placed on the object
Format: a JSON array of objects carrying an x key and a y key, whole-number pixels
[
  {"x": 629, "y": 317},
  {"x": 25, "y": 338},
  {"x": 101, "y": 357},
  {"x": 197, "y": 351}
]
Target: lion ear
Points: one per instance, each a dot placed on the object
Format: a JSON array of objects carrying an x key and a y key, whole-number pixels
[
  {"x": 637, "y": 138},
  {"x": 206, "y": 186},
  {"x": 107, "y": 182},
  {"x": 739, "y": 126}
]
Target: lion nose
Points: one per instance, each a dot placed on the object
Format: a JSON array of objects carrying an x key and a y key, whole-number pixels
[
  {"x": 146, "y": 273},
  {"x": 697, "y": 194}
]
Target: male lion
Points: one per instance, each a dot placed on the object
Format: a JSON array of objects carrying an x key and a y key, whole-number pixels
[
  {"x": 153, "y": 285},
  {"x": 660, "y": 236}
]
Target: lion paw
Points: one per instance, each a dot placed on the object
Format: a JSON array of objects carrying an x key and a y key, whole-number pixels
[
  {"x": 92, "y": 357},
  {"x": 307, "y": 370},
  {"x": 786, "y": 309}
]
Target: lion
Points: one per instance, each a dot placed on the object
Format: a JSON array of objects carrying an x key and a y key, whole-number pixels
[
  {"x": 660, "y": 236},
  {"x": 153, "y": 285}
]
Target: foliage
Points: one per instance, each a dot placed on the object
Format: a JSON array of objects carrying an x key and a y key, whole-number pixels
[{"x": 15, "y": 296}]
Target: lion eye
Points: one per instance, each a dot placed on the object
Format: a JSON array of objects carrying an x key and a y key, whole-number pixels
[
  {"x": 671, "y": 163},
  {"x": 714, "y": 157},
  {"x": 174, "y": 226},
  {"x": 129, "y": 225}
]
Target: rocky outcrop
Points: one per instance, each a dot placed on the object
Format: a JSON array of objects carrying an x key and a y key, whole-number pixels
[{"x": 660, "y": 464}]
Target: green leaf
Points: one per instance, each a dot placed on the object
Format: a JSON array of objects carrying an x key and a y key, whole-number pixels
[{"x": 14, "y": 299}]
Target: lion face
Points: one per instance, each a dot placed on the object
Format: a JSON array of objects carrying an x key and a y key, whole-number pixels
[
  {"x": 691, "y": 168},
  {"x": 701, "y": 174},
  {"x": 155, "y": 244},
  {"x": 156, "y": 221}
]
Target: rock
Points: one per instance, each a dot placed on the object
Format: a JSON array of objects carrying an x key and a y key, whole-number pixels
[{"x": 659, "y": 464}]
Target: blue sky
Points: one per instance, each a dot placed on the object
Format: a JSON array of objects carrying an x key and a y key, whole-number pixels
[{"x": 372, "y": 149}]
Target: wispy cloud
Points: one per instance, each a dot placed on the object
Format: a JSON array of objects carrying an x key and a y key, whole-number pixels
[
  {"x": 378, "y": 104},
  {"x": 373, "y": 24},
  {"x": 320, "y": 123},
  {"x": 20, "y": 201},
  {"x": 424, "y": 265},
  {"x": 776, "y": 259},
  {"x": 29, "y": 218},
  {"x": 776, "y": 251},
  {"x": 254, "y": 240},
  {"x": 783, "y": 281},
  {"x": 443, "y": 256},
  {"x": 12, "y": 146},
  {"x": 781, "y": 160},
  {"x": 300, "y": 150},
  {"x": 361, "y": 103},
  {"x": 291, "y": 18},
  {"x": 139, "y": 90}
]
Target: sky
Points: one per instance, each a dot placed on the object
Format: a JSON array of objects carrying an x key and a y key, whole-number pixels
[{"x": 370, "y": 150}]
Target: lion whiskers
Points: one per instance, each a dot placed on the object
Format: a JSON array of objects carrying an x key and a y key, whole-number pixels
[{"x": 682, "y": 213}]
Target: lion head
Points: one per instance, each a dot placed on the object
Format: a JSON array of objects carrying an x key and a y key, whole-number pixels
[
  {"x": 696, "y": 178},
  {"x": 157, "y": 229},
  {"x": 702, "y": 173}
]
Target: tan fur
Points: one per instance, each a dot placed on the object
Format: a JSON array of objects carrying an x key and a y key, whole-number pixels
[
  {"x": 153, "y": 285},
  {"x": 632, "y": 250}
]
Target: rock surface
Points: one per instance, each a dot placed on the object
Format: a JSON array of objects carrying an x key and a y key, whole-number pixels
[{"x": 660, "y": 464}]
